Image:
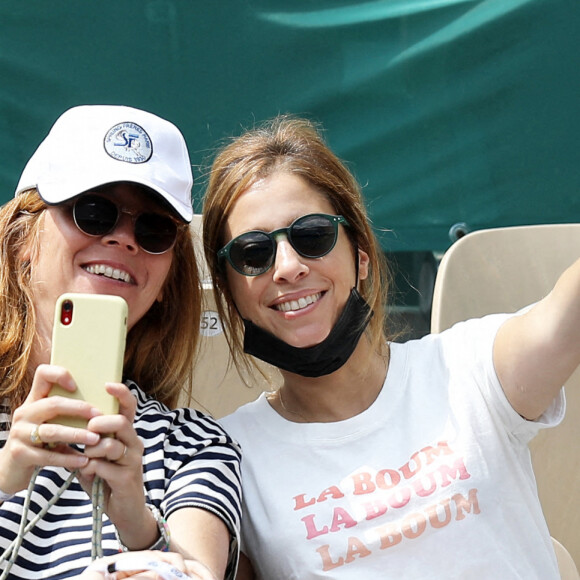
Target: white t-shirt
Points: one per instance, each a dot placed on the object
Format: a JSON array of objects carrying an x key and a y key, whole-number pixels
[{"x": 433, "y": 481}]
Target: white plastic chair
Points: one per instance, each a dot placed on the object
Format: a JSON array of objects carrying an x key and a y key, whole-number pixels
[
  {"x": 566, "y": 565},
  {"x": 502, "y": 270}
]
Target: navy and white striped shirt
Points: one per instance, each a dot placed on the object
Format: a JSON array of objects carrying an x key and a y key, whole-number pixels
[{"x": 189, "y": 461}]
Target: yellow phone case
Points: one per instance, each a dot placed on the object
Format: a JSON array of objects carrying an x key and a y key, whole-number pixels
[{"x": 89, "y": 335}]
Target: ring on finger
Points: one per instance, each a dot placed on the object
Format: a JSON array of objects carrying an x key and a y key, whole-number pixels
[
  {"x": 123, "y": 455},
  {"x": 35, "y": 438}
]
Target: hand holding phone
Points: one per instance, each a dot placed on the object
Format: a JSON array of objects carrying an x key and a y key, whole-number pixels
[{"x": 89, "y": 335}]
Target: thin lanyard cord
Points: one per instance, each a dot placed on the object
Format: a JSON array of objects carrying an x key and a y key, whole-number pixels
[
  {"x": 97, "y": 498},
  {"x": 98, "y": 503},
  {"x": 12, "y": 550}
]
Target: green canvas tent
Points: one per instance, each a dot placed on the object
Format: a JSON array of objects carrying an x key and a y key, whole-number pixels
[{"x": 448, "y": 111}]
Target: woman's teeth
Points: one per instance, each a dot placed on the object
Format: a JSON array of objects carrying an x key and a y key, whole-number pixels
[
  {"x": 109, "y": 272},
  {"x": 293, "y": 305}
]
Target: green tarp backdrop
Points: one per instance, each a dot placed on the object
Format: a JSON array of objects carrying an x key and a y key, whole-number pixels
[{"x": 447, "y": 111}]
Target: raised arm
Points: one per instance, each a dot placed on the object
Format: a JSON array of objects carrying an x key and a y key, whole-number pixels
[{"x": 535, "y": 353}]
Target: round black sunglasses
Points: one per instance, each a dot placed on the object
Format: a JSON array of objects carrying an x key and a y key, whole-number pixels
[
  {"x": 253, "y": 253},
  {"x": 96, "y": 215}
]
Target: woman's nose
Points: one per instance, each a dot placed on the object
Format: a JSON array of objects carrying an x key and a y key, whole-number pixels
[
  {"x": 289, "y": 265},
  {"x": 123, "y": 234}
]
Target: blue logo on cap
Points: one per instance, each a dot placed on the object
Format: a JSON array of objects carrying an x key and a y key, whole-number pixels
[{"x": 128, "y": 142}]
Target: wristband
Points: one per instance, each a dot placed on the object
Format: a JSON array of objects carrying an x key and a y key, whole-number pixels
[{"x": 162, "y": 543}]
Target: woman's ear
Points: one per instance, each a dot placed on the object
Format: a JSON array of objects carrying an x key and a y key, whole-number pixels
[
  {"x": 25, "y": 254},
  {"x": 27, "y": 251},
  {"x": 363, "y": 264}
]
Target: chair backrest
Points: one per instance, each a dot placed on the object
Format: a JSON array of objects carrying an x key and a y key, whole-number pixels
[
  {"x": 503, "y": 270},
  {"x": 217, "y": 387},
  {"x": 566, "y": 565}
]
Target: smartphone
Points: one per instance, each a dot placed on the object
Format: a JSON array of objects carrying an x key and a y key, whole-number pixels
[{"x": 88, "y": 339}]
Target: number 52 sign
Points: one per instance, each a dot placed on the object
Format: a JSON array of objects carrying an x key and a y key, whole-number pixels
[{"x": 210, "y": 324}]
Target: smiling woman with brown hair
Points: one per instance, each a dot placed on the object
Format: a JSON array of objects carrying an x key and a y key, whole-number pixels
[{"x": 374, "y": 459}]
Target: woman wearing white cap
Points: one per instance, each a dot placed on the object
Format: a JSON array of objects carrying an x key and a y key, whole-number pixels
[{"x": 102, "y": 208}]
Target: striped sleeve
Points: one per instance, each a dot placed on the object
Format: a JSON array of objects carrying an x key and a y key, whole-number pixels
[{"x": 190, "y": 461}]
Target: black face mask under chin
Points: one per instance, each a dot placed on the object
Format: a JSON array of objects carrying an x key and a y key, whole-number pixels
[{"x": 320, "y": 359}]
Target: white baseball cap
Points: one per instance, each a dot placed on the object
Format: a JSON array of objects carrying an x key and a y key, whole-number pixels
[{"x": 92, "y": 145}]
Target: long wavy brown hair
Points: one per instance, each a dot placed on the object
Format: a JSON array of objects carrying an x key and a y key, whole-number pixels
[
  {"x": 293, "y": 145},
  {"x": 160, "y": 348}
]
